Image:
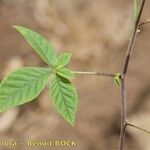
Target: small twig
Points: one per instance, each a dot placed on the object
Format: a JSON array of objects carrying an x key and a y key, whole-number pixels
[
  {"x": 137, "y": 127},
  {"x": 133, "y": 38},
  {"x": 123, "y": 113},
  {"x": 124, "y": 74},
  {"x": 143, "y": 23},
  {"x": 94, "y": 73}
]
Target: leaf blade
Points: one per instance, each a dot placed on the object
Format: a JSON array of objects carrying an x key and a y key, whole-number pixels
[
  {"x": 66, "y": 73},
  {"x": 22, "y": 86},
  {"x": 42, "y": 47},
  {"x": 63, "y": 60},
  {"x": 64, "y": 98}
]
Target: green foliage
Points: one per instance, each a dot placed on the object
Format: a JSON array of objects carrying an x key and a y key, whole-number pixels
[
  {"x": 22, "y": 86},
  {"x": 39, "y": 44},
  {"x": 25, "y": 84},
  {"x": 63, "y": 60},
  {"x": 117, "y": 79},
  {"x": 66, "y": 73},
  {"x": 64, "y": 97}
]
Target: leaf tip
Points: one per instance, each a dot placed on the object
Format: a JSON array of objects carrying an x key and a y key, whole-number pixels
[
  {"x": 19, "y": 28},
  {"x": 71, "y": 122}
]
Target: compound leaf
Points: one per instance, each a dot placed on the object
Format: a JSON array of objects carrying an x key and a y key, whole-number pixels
[
  {"x": 39, "y": 44},
  {"x": 64, "y": 97},
  {"x": 22, "y": 86},
  {"x": 63, "y": 60},
  {"x": 66, "y": 73}
]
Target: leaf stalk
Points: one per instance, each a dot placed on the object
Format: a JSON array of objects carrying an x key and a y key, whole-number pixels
[{"x": 94, "y": 73}]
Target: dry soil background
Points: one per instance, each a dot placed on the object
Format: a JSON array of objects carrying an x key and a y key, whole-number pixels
[{"x": 96, "y": 32}]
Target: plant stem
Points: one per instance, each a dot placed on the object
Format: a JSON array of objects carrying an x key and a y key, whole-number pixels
[
  {"x": 135, "y": 9},
  {"x": 94, "y": 73},
  {"x": 137, "y": 127},
  {"x": 124, "y": 74},
  {"x": 133, "y": 38},
  {"x": 123, "y": 113},
  {"x": 143, "y": 23}
]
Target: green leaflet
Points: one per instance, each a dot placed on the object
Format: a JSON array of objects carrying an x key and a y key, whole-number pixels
[
  {"x": 39, "y": 44},
  {"x": 117, "y": 79},
  {"x": 66, "y": 73},
  {"x": 63, "y": 60},
  {"x": 22, "y": 86},
  {"x": 64, "y": 97}
]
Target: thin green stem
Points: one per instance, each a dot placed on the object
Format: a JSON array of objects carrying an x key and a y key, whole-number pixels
[
  {"x": 135, "y": 9},
  {"x": 94, "y": 73}
]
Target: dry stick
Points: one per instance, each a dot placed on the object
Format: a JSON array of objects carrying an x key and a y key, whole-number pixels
[
  {"x": 94, "y": 73},
  {"x": 137, "y": 127},
  {"x": 123, "y": 85},
  {"x": 123, "y": 113}
]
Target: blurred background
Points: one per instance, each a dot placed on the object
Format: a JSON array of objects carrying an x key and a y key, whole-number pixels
[{"x": 96, "y": 33}]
